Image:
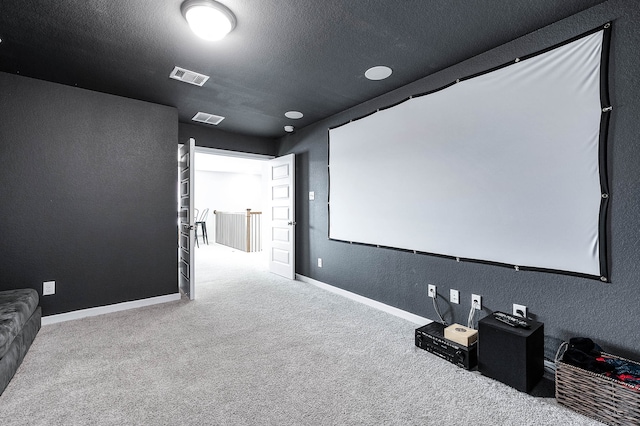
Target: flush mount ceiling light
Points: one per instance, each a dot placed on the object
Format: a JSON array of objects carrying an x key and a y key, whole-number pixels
[
  {"x": 288, "y": 129},
  {"x": 378, "y": 73},
  {"x": 209, "y": 19},
  {"x": 294, "y": 115}
]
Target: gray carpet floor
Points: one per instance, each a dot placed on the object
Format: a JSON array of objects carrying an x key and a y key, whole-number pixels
[{"x": 254, "y": 349}]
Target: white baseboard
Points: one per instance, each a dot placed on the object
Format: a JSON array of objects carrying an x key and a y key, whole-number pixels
[
  {"x": 416, "y": 319},
  {"x": 100, "y": 310}
]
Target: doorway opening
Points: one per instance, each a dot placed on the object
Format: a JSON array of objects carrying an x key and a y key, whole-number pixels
[{"x": 227, "y": 184}]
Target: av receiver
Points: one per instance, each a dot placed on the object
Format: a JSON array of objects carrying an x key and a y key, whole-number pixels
[{"x": 430, "y": 337}]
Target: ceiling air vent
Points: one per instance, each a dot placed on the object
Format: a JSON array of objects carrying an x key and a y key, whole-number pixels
[
  {"x": 187, "y": 76},
  {"x": 203, "y": 117}
]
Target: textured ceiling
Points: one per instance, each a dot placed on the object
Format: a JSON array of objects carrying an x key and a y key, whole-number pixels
[{"x": 304, "y": 55}]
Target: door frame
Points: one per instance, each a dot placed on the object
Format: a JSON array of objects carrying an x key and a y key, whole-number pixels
[{"x": 265, "y": 188}]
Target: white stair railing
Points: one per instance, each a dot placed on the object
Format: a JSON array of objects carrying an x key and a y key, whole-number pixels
[{"x": 239, "y": 230}]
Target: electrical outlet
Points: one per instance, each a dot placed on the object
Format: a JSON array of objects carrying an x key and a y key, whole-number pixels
[
  {"x": 48, "y": 288},
  {"x": 432, "y": 291},
  {"x": 476, "y": 301},
  {"x": 521, "y": 308},
  {"x": 454, "y": 296},
  {"x": 319, "y": 262},
  {"x": 312, "y": 195}
]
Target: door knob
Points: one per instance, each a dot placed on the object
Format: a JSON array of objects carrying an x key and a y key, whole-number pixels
[{"x": 291, "y": 223}]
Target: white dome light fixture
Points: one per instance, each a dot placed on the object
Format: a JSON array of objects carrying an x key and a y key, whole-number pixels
[
  {"x": 288, "y": 129},
  {"x": 294, "y": 115},
  {"x": 378, "y": 73},
  {"x": 209, "y": 19}
]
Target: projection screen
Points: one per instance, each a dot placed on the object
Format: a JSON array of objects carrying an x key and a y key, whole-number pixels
[{"x": 503, "y": 167}]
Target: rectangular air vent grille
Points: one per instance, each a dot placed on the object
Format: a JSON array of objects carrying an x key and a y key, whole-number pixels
[
  {"x": 203, "y": 117},
  {"x": 187, "y": 76}
]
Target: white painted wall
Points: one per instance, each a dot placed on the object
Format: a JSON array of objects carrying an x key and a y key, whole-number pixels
[{"x": 229, "y": 192}]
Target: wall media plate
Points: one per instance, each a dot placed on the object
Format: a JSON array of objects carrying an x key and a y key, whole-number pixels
[
  {"x": 517, "y": 308},
  {"x": 454, "y": 296}
]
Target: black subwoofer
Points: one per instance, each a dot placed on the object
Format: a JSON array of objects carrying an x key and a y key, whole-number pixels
[{"x": 511, "y": 355}]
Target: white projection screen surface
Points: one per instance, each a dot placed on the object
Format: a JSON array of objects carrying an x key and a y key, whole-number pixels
[{"x": 503, "y": 167}]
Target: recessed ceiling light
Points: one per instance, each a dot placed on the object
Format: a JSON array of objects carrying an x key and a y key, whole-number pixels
[
  {"x": 293, "y": 114},
  {"x": 378, "y": 73},
  {"x": 288, "y": 129},
  {"x": 209, "y": 19}
]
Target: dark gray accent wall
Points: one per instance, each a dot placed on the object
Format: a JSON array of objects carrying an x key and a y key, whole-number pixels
[
  {"x": 210, "y": 137},
  {"x": 88, "y": 186},
  {"x": 569, "y": 306}
]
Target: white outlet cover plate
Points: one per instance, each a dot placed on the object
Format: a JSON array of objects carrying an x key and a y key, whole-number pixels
[
  {"x": 312, "y": 195},
  {"x": 48, "y": 288},
  {"x": 431, "y": 291}
]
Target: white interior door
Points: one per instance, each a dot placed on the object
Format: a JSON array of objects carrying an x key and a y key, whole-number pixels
[
  {"x": 281, "y": 177},
  {"x": 186, "y": 276}
]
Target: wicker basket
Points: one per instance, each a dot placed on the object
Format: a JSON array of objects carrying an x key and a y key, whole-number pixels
[{"x": 597, "y": 396}]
